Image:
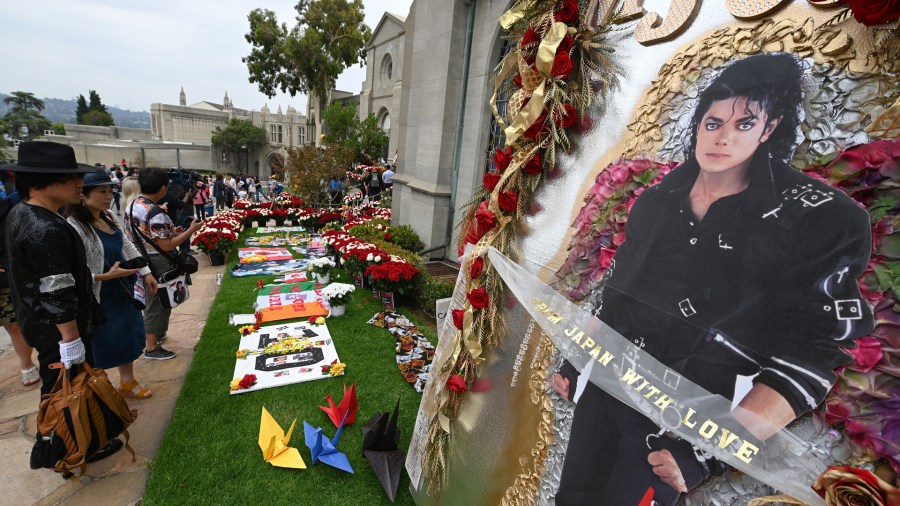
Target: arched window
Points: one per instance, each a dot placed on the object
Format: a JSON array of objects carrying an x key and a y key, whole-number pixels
[
  {"x": 496, "y": 137},
  {"x": 384, "y": 121},
  {"x": 387, "y": 70}
]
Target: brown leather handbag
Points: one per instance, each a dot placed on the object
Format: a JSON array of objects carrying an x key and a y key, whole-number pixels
[{"x": 77, "y": 418}]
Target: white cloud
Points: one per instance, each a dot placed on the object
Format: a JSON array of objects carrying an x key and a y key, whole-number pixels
[{"x": 138, "y": 53}]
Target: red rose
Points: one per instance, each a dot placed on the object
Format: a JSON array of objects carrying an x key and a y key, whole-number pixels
[
  {"x": 845, "y": 485},
  {"x": 486, "y": 220},
  {"x": 508, "y": 201},
  {"x": 537, "y": 126},
  {"x": 490, "y": 181},
  {"x": 477, "y": 268},
  {"x": 247, "y": 381},
  {"x": 387, "y": 236},
  {"x": 568, "y": 13},
  {"x": 866, "y": 355},
  {"x": 458, "y": 318},
  {"x": 562, "y": 66},
  {"x": 875, "y": 12},
  {"x": 518, "y": 80},
  {"x": 478, "y": 298},
  {"x": 534, "y": 165},
  {"x": 529, "y": 37},
  {"x": 565, "y": 45},
  {"x": 502, "y": 158},
  {"x": 457, "y": 382},
  {"x": 565, "y": 118}
]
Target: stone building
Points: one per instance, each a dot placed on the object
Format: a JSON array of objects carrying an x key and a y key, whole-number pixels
[
  {"x": 381, "y": 90},
  {"x": 445, "y": 127},
  {"x": 196, "y": 123}
]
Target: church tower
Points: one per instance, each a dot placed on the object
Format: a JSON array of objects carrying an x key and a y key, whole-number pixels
[
  {"x": 182, "y": 100},
  {"x": 226, "y": 102}
]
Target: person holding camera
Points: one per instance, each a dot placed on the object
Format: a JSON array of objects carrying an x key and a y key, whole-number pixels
[
  {"x": 113, "y": 261},
  {"x": 152, "y": 222}
]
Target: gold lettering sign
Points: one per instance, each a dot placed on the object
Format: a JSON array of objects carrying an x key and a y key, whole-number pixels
[
  {"x": 651, "y": 28},
  {"x": 752, "y": 9}
]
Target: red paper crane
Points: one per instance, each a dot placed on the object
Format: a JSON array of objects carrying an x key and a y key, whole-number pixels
[{"x": 348, "y": 405}]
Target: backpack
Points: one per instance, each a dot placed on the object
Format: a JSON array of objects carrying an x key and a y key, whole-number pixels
[{"x": 78, "y": 417}]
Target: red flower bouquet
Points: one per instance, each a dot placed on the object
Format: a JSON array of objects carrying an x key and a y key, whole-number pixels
[{"x": 396, "y": 275}]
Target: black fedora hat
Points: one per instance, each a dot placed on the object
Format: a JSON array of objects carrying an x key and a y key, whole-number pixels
[
  {"x": 98, "y": 177},
  {"x": 47, "y": 158}
]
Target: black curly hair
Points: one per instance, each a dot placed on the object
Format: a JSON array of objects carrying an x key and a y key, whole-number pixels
[{"x": 771, "y": 80}]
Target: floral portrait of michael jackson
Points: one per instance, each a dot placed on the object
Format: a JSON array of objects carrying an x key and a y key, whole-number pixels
[{"x": 735, "y": 265}]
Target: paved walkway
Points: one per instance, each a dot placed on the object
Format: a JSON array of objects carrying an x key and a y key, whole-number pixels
[{"x": 116, "y": 480}]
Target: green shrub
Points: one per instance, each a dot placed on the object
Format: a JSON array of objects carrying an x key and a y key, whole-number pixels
[
  {"x": 433, "y": 289},
  {"x": 405, "y": 237}
]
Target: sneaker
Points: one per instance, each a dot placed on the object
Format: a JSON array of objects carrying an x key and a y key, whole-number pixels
[{"x": 159, "y": 353}]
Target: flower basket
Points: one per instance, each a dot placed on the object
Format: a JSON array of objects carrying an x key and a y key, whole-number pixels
[{"x": 338, "y": 310}]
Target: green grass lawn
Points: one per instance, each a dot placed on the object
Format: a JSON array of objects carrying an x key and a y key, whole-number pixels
[{"x": 210, "y": 453}]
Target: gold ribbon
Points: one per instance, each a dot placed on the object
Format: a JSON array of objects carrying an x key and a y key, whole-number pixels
[
  {"x": 515, "y": 13},
  {"x": 544, "y": 62},
  {"x": 774, "y": 499}
]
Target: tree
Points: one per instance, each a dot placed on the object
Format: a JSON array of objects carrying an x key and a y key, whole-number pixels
[
  {"x": 238, "y": 136},
  {"x": 24, "y": 120},
  {"x": 96, "y": 104},
  {"x": 371, "y": 139},
  {"x": 93, "y": 113},
  {"x": 310, "y": 168},
  {"x": 80, "y": 110},
  {"x": 329, "y": 36},
  {"x": 58, "y": 128},
  {"x": 341, "y": 123},
  {"x": 364, "y": 139},
  {"x": 98, "y": 118}
]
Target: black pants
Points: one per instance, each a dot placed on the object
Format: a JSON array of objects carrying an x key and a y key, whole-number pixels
[
  {"x": 48, "y": 353},
  {"x": 606, "y": 462},
  {"x": 200, "y": 211},
  {"x": 116, "y": 197}
]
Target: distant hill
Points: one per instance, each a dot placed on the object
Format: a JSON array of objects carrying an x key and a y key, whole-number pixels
[{"x": 64, "y": 111}]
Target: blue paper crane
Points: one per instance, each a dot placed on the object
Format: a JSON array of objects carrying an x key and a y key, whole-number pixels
[{"x": 325, "y": 450}]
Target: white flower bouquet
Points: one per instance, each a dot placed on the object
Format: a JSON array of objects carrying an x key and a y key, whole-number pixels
[
  {"x": 321, "y": 266},
  {"x": 338, "y": 294}
]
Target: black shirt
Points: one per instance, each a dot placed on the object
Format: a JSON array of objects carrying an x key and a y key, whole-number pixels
[
  {"x": 49, "y": 278},
  {"x": 765, "y": 283}
]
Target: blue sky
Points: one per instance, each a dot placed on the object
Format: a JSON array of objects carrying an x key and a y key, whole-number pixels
[{"x": 138, "y": 53}]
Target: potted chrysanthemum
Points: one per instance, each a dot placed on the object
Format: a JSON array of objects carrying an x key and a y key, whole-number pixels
[
  {"x": 338, "y": 295},
  {"x": 321, "y": 267}
]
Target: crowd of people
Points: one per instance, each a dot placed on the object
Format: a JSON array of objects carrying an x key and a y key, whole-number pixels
[{"x": 86, "y": 245}]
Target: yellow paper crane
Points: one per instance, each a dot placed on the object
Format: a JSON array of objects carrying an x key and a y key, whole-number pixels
[{"x": 274, "y": 444}]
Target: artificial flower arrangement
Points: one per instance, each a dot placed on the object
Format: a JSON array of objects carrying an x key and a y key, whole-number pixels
[
  {"x": 335, "y": 368},
  {"x": 243, "y": 383},
  {"x": 287, "y": 346},
  {"x": 338, "y": 294},
  {"x": 600, "y": 225}
]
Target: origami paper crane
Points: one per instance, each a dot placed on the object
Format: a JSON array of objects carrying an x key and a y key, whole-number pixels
[
  {"x": 348, "y": 406},
  {"x": 274, "y": 443},
  {"x": 325, "y": 450},
  {"x": 380, "y": 447}
]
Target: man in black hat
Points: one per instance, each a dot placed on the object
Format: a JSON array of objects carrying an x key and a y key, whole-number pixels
[{"x": 49, "y": 279}]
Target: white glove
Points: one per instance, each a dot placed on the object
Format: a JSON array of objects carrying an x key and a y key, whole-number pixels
[{"x": 71, "y": 352}]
